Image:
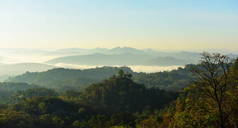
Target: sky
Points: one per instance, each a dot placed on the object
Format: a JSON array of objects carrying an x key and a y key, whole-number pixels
[{"x": 157, "y": 24}]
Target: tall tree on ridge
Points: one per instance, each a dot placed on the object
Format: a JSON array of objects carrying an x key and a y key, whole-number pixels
[{"x": 213, "y": 82}]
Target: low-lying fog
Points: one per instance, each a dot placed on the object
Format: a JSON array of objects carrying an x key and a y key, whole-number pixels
[
  {"x": 135, "y": 68},
  {"x": 17, "y": 61},
  {"x": 16, "y": 64}
]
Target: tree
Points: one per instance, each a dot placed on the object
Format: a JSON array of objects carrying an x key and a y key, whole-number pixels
[
  {"x": 213, "y": 82},
  {"x": 121, "y": 94},
  {"x": 14, "y": 119},
  {"x": 33, "y": 92}
]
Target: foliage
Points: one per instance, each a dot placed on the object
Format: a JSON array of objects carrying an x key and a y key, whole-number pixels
[
  {"x": 210, "y": 100},
  {"x": 110, "y": 103},
  {"x": 120, "y": 93},
  {"x": 7, "y": 89}
]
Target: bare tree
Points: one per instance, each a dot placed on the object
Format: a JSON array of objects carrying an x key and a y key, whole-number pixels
[{"x": 212, "y": 81}]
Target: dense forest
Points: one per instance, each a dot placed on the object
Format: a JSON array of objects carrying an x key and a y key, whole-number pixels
[
  {"x": 68, "y": 79},
  {"x": 196, "y": 96}
]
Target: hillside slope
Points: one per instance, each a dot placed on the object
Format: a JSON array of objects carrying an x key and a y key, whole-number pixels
[{"x": 70, "y": 79}]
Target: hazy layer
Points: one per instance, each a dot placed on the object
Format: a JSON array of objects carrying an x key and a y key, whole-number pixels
[{"x": 136, "y": 68}]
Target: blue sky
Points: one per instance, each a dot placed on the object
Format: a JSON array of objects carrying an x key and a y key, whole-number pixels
[{"x": 158, "y": 24}]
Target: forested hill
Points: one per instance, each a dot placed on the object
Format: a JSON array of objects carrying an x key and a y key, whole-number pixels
[
  {"x": 111, "y": 103},
  {"x": 70, "y": 78},
  {"x": 174, "y": 80}
]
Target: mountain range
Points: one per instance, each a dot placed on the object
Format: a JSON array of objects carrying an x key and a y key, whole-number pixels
[
  {"x": 36, "y": 60},
  {"x": 125, "y": 56}
]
